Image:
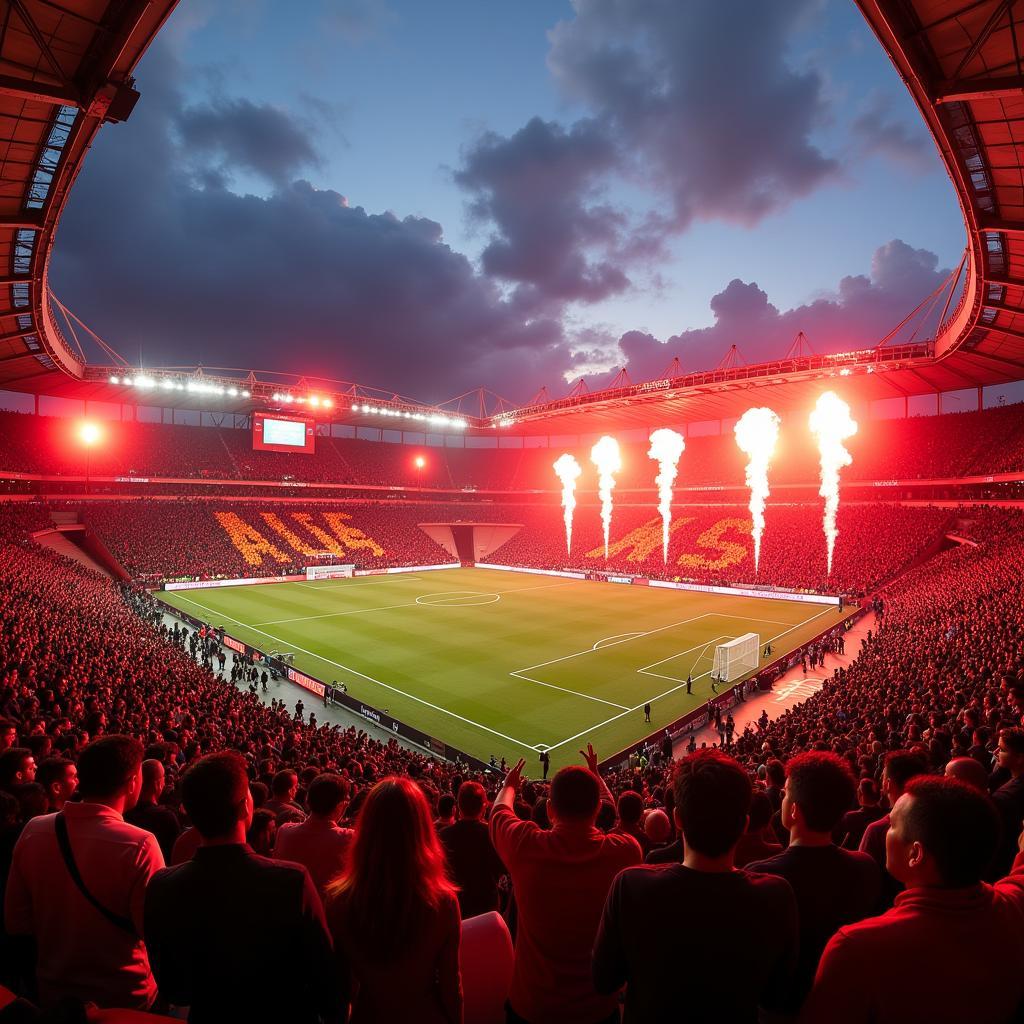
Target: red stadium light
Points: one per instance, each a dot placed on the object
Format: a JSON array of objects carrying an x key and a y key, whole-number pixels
[
  {"x": 419, "y": 462},
  {"x": 89, "y": 433}
]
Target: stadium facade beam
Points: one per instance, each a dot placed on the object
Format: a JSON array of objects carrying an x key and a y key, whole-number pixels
[
  {"x": 966, "y": 89},
  {"x": 1005, "y": 227},
  {"x": 25, "y": 223},
  {"x": 1005, "y": 282},
  {"x": 39, "y": 92}
]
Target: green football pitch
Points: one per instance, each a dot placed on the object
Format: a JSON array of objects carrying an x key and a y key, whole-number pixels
[{"x": 506, "y": 663}]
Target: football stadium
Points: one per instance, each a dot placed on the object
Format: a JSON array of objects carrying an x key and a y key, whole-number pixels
[{"x": 321, "y": 701}]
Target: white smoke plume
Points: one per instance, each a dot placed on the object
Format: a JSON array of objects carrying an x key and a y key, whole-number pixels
[
  {"x": 757, "y": 433},
  {"x": 666, "y": 447},
  {"x": 605, "y": 455},
  {"x": 568, "y": 471},
  {"x": 832, "y": 424}
]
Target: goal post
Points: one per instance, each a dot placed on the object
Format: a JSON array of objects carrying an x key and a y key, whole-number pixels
[
  {"x": 329, "y": 572},
  {"x": 736, "y": 658}
]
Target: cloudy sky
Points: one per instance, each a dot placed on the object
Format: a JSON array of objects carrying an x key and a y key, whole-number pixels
[{"x": 432, "y": 197}]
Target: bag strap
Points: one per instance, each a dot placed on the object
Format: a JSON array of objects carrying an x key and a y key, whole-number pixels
[{"x": 64, "y": 842}]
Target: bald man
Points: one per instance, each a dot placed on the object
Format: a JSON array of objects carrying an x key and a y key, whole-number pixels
[{"x": 968, "y": 770}]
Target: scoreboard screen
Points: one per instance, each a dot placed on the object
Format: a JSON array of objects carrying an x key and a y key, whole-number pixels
[{"x": 277, "y": 433}]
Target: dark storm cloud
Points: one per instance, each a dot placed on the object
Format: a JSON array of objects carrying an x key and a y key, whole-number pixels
[
  {"x": 693, "y": 101},
  {"x": 859, "y": 314},
  {"x": 702, "y": 99},
  {"x": 246, "y": 136},
  {"x": 298, "y": 281},
  {"x": 876, "y": 130},
  {"x": 540, "y": 190}
]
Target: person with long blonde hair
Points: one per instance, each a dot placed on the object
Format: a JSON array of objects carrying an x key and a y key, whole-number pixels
[{"x": 394, "y": 914}]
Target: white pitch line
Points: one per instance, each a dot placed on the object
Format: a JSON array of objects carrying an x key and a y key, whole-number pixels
[
  {"x": 615, "y": 636},
  {"x": 651, "y": 700},
  {"x": 593, "y": 650},
  {"x": 575, "y": 693},
  {"x": 363, "y": 675},
  {"x": 679, "y": 654}
]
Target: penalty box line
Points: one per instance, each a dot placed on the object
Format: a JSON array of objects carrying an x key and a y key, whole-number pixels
[
  {"x": 363, "y": 675},
  {"x": 651, "y": 700}
]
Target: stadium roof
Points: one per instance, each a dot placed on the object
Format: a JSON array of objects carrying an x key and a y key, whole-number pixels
[
  {"x": 65, "y": 69},
  {"x": 63, "y": 73}
]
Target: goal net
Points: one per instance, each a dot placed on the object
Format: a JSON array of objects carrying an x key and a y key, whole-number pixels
[
  {"x": 736, "y": 658},
  {"x": 328, "y": 572}
]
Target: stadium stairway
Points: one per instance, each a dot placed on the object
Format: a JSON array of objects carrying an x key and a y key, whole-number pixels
[{"x": 63, "y": 542}]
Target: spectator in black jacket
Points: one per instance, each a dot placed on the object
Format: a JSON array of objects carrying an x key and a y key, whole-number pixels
[
  {"x": 833, "y": 887},
  {"x": 472, "y": 860},
  {"x": 1009, "y": 798},
  {"x": 672, "y": 973},
  {"x": 152, "y": 815},
  {"x": 211, "y": 923}
]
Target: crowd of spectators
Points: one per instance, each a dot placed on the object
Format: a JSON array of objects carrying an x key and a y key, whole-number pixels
[
  {"x": 713, "y": 544},
  {"x": 353, "y": 860},
  {"x": 200, "y": 539},
  {"x": 708, "y": 544},
  {"x": 921, "y": 447}
]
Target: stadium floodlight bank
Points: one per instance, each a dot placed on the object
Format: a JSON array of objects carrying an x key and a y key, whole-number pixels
[
  {"x": 329, "y": 572},
  {"x": 736, "y": 658}
]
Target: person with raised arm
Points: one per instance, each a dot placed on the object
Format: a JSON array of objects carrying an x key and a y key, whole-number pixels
[{"x": 561, "y": 877}]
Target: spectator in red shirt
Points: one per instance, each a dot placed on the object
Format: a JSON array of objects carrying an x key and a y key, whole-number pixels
[
  {"x": 318, "y": 842},
  {"x": 89, "y": 946},
  {"x": 560, "y": 877},
  {"x": 673, "y": 972},
  {"x": 394, "y": 914},
  {"x": 833, "y": 887},
  {"x": 951, "y": 948}
]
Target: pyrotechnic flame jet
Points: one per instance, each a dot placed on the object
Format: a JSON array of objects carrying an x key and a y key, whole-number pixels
[
  {"x": 666, "y": 447},
  {"x": 568, "y": 471},
  {"x": 832, "y": 424},
  {"x": 605, "y": 455},
  {"x": 757, "y": 433}
]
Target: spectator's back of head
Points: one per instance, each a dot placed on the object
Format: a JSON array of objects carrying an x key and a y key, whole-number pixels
[
  {"x": 107, "y": 765},
  {"x": 712, "y": 801},
  {"x": 215, "y": 792},
  {"x": 820, "y": 789},
  {"x": 969, "y": 770},
  {"x": 868, "y": 793},
  {"x": 775, "y": 770},
  {"x": 942, "y": 833},
  {"x": 657, "y": 827},
  {"x": 575, "y": 795},
  {"x": 760, "y": 811},
  {"x": 284, "y": 784},
  {"x": 631, "y": 808},
  {"x": 327, "y": 793},
  {"x": 901, "y": 766},
  {"x": 471, "y": 800}
]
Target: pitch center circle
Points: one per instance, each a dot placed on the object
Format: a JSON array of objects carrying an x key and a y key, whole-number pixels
[{"x": 458, "y": 599}]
